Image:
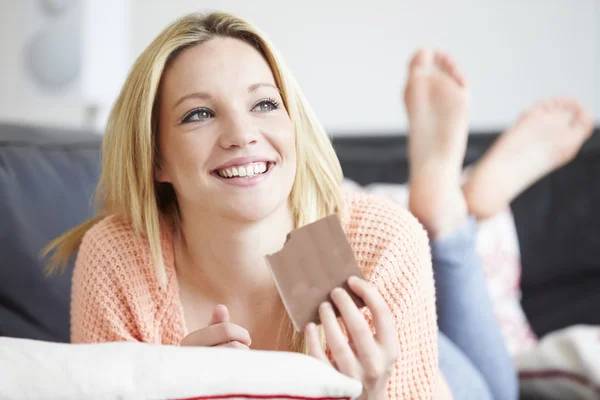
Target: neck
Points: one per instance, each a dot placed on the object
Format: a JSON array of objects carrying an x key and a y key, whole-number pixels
[{"x": 225, "y": 257}]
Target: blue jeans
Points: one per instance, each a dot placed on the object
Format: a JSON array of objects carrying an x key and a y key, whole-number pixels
[{"x": 473, "y": 357}]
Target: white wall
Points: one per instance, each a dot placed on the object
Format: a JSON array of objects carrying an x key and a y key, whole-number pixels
[
  {"x": 90, "y": 34},
  {"x": 350, "y": 56}
]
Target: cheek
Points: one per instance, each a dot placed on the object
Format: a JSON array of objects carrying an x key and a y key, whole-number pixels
[
  {"x": 291, "y": 139},
  {"x": 187, "y": 155},
  {"x": 287, "y": 139}
]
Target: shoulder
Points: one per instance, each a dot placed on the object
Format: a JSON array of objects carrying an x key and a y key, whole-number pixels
[
  {"x": 384, "y": 235},
  {"x": 115, "y": 287},
  {"x": 112, "y": 240},
  {"x": 112, "y": 249}
]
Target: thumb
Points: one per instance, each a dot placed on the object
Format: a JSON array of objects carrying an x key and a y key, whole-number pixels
[{"x": 220, "y": 314}]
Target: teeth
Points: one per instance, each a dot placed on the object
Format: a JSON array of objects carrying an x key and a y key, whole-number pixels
[{"x": 244, "y": 171}]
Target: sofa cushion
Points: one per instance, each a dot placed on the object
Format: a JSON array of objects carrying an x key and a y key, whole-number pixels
[{"x": 47, "y": 181}]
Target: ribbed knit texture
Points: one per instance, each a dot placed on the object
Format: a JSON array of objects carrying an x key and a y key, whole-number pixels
[{"x": 117, "y": 297}]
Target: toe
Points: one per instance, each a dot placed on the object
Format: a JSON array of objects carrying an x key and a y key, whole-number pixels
[
  {"x": 438, "y": 57},
  {"x": 442, "y": 61},
  {"x": 447, "y": 64},
  {"x": 574, "y": 109},
  {"x": 419, "y": 59},
  {"x": 556, "y": 103},
  {"x": 571, "y": 104},
  {"x": 545, "y": 105},
  {"x": 589, "y": 118},
  {"x": 583, "y": 118},
  {"x": 459, "y": 76}
]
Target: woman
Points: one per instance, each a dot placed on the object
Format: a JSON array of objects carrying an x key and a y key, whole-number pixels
[{"x": 210, "y": 157}]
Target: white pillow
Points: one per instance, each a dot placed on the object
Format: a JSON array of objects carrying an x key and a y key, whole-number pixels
[{"x": 32, "y": 369}]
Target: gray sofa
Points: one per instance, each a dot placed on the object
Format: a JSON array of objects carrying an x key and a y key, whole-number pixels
[
  {"x": 48, "y": 177},
  {"x": 47, "y": 180}
]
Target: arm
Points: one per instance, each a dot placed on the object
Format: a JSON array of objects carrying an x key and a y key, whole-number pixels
[
  {"x": 404, "y": 277},
  {"x": 99, "y": 311}
]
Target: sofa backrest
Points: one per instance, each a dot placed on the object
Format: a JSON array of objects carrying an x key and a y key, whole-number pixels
[{"x": 47, "y": 183}]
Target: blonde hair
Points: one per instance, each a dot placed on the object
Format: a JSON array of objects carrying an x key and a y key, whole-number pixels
[{"x": 130, "y": 151}]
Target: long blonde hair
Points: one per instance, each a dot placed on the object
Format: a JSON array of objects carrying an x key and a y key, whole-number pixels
[{"x": 130, "y": 151}]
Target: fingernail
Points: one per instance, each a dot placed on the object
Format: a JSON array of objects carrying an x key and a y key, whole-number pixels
[
  {"x": 325, "y": 305},
  {"x": 337, "y": 291}
]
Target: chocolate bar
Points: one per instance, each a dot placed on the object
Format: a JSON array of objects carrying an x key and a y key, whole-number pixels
[{"x": 314, "y": 260}]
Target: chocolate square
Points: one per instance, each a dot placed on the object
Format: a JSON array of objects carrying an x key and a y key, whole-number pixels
[{"x": 315, "y": 259}]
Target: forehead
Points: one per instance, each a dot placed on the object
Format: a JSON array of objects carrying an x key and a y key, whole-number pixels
[{"x": 220, "y": 63}]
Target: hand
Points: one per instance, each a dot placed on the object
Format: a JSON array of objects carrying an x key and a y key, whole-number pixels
[
  {"x": 368, "y": 358},
  {"x": 220, "y": 332}
]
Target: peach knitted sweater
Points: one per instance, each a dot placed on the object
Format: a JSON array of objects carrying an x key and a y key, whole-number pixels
[{"x": 117, "y": 297}]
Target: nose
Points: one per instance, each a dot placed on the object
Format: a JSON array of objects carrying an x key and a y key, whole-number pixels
[{"x": 237, "y": 131}]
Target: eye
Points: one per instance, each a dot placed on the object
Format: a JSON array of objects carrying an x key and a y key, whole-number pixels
[
  {"x": 266, "y": 105},
  {"x": 197, "y": 115}
]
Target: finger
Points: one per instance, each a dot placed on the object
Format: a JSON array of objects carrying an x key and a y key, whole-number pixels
[
  {"x": 356, "y": 325},
  {"x": 220, "y": 314},
  {"x": 227, "y": 332},
  {"x": 234, "y": 345},
  {"x": 338, "y": 344},
  {"x": 385, "y": 332},
  {"x": 314, "y": 344}
]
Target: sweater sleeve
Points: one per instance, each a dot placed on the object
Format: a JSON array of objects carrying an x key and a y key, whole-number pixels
[
  {"x": 116, "y": 295},
  {"x": 405, "y": 279},
  {"x": 99, "y": 310},
  {"x": 393, "y": 250}
]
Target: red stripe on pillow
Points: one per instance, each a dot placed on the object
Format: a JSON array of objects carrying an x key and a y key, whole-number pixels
[
  {"x": 557, "y": 373},
  {"x": 264, "y": 396}
]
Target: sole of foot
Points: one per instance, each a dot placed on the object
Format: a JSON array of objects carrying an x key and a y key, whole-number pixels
[
  {"x": 437, "y": 101},
  {"x": 542, "y": 140}
]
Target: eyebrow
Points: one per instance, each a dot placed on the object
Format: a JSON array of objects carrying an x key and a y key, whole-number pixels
[
  {"x": 256, "y": 86},
  {"x": 206, "y": 96},
  {"x": 195, "y": 95}
]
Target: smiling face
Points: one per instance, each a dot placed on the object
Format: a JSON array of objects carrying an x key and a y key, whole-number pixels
[{"x": 226, "y": 141}]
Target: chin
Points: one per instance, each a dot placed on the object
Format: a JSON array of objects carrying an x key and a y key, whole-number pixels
[{"x": 254, "y": 208}]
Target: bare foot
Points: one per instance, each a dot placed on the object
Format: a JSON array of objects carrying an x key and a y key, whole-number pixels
[
  {"x": 437, "y": 104},
  {"x": 542, "y": 140}
]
